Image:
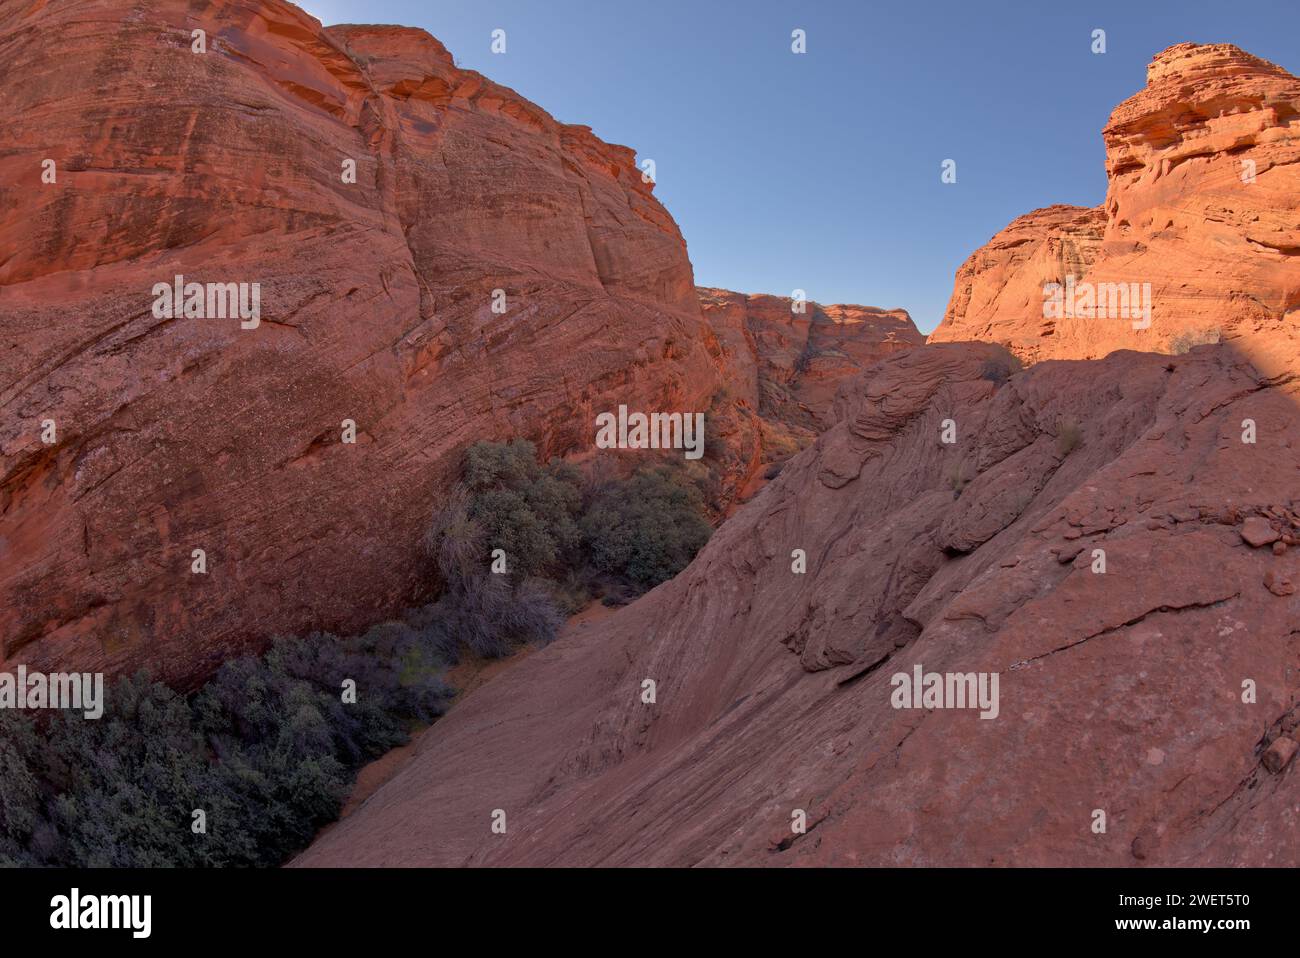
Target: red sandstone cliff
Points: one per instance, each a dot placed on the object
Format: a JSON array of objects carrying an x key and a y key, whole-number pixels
[
  {"x": 177, "y": 434},
  {"x": 790, "y": 363},
  {"x": 1203, "y": 203},
  {"x": 180, "y": 434},
  {"x": 781, "y": 369}
]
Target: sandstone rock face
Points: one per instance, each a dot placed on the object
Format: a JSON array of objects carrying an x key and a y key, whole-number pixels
[
  {"x": 487, "y": 273},
  {"x": 1080, "y": 538},
  {"x": 789, "y": 364},
  {"x": 781, "y": 369},
  {"x": 1203, "y": 204},
  {"x": 998, "y": 293},
  {"x": 377, "y": 297}
]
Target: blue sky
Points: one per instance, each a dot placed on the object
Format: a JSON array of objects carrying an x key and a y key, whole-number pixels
[{"x": 821, "y": 171}]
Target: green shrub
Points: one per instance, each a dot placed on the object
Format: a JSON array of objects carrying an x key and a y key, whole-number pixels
[
  {"x": 267, "y": 749},
  {"x": 507, "y": 501},
  {"x": 578, "y": 536},
  {"x": 20, "y": 805},
  {"x": 647, "y": 529},
  {"x": 523, "y": 508}
]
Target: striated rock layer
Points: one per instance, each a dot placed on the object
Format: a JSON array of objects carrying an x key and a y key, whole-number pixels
[
  {"x": 1203, "y": 204},
  {"x": 998, "y": 294},
  {"x": 790, "y": 364},
  {"x": 781, "y": 369},
  {"x": 377, "y": 295},
  {"x": 1119, "y": 690},
  {"x": 178, "y": 434}
]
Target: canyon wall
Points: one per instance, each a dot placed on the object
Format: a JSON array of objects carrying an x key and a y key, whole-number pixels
[
  {"x": 799, "y": 359},
  {"x": 438, "y": 260},
  {"x": 781, "y": 363},
  {"x": 377, "y": 299}
]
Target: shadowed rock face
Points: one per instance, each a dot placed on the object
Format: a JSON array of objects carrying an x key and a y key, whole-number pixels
[
  {"x": 1203, "y": 203},
  {"x": 376, "y": 306},
  {"x": 781, "y": 368},
  {"x": 791, "y": 363},
  {"x": 1119, "y": 690}
]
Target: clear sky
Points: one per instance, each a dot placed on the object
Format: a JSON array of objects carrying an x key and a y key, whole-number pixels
[{"x": 821, "y": 171}]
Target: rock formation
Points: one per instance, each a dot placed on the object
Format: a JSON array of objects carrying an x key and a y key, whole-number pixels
[
  {"x": 1081, "y": 538},
  {"x": 377, "y": 306},
  {"x": 1114, "y": 540},
  {"x": 438, "y": 261},
  {"x": 781, "y": 368},
  {"x": 998, "y": 294},
  {"x": 1203, "y": 204},
  {"x": 789, "y": 364}
]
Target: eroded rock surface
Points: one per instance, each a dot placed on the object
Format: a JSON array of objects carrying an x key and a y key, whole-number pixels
[
  {"x": 376, "y": 301},
  {"x": 377, "y": 307},
  {"x": 1120, "y": 690},
  {"x": 781, "y": 368}
]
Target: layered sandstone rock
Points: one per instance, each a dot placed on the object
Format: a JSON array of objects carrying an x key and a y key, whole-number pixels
[
  {"x": 789, "y": 364},
  {"x": 781, "y": 368},
  {"x": 1122, "y": 687},
  {"x": 998, "y": 294},
  {"x": 376, "y": 306},
  {"x": 1203, "y": 204},
  {"x": 487, "y": 273}
]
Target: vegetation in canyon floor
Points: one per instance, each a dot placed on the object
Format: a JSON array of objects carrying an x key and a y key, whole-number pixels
[{"x": 246, "y": 771}]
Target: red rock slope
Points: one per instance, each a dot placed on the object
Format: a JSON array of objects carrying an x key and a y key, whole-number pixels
[
  {"x": 1203, "y": 203},
  {"x": 1120, "y": 691},
  {"x": 180, "y": 434}
]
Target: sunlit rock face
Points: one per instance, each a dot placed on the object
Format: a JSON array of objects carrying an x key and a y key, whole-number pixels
[{"x": 1201, "y": 223}]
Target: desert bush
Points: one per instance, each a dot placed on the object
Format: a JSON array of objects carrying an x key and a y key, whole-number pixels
[
  {"x": 492, "y": 616},
  {"x": 454, "y": 541},
  {"x": 20, "y": 800},
  {"x": 266, "y": 749},
  {"x": 522, "y": 507},
  {"x": 957, "y": 478},
  {"x": 568, "y": 538},
  {"x": 574, "y": 592},
  {"x": 646, "y": 529},
  {"x": 121, "y": 789},
  {"x": 1068, "y": 436}
]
